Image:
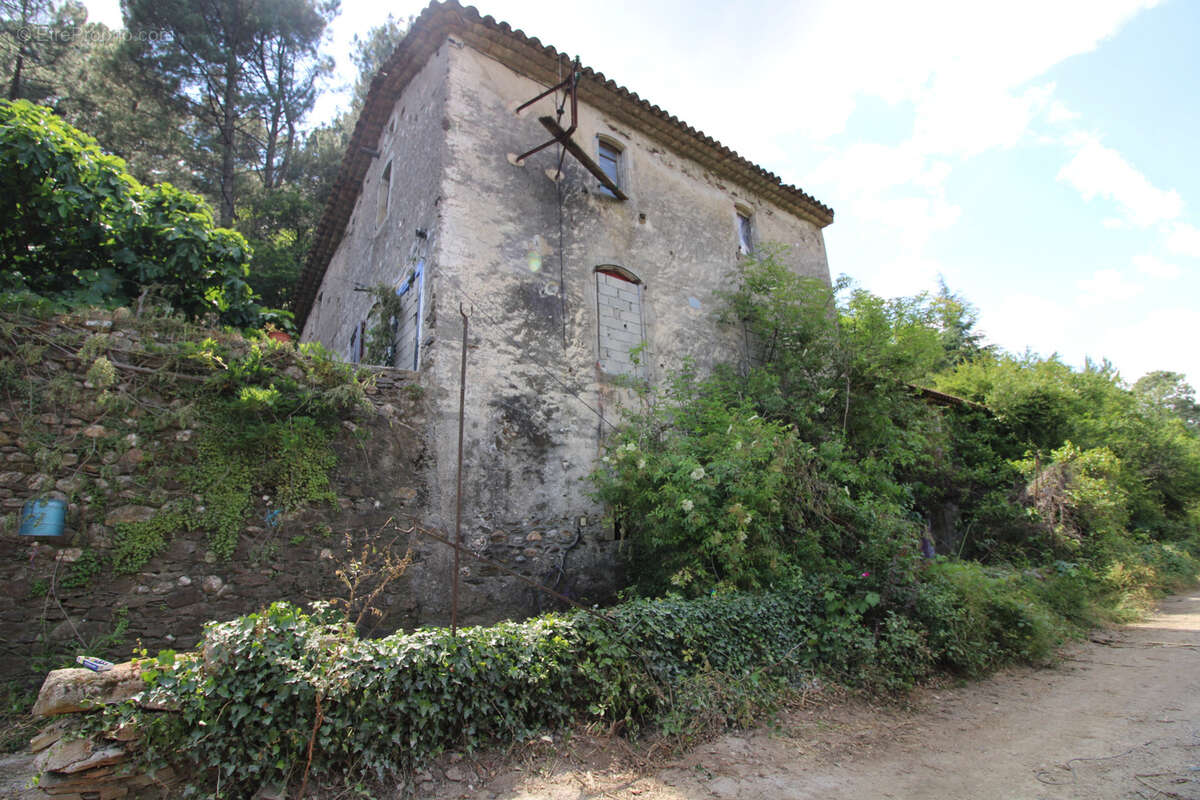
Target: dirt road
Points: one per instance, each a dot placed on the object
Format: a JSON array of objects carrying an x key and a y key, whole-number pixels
[{"x": 1120, "y": 718}]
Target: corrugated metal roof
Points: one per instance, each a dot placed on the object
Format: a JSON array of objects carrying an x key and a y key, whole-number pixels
[{"x": 542, "y": 63}]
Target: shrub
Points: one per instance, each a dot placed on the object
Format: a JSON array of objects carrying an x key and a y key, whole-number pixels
[{"x": 81, "y": 230}]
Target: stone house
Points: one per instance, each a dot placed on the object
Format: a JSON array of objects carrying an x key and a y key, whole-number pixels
[{"x": 576, "y": 270}]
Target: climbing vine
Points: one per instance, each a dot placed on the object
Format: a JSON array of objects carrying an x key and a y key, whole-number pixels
[
  {"x": 249, "y": 422},
  {"x": 380, "y": 344}
]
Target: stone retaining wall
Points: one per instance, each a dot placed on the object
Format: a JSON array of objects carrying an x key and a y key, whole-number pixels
[{"x": 61, "y": 597}]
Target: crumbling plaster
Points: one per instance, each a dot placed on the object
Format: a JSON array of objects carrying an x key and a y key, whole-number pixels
[
  {"x": 371, "y": 254},
  {"x": 518, "y": 250}
]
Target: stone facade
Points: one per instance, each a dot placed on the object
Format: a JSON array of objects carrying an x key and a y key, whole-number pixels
[{"x": 569, "y": 290}]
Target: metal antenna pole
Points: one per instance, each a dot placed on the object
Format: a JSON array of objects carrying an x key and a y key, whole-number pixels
[{"x": 462, "y": 396}]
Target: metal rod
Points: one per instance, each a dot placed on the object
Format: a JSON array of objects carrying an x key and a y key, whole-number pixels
[
  {"x": 572, "y": 85},
  {"x": 462, "y": 397},
  {"x": 564, "y": 82}
]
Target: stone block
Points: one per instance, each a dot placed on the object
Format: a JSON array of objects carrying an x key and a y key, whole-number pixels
[
  {"x": 130, "y": 514},
  {"x": 13, "y": 479},
  {"x": 66, "y": 691},
  {"x": 185, "y": 597}
]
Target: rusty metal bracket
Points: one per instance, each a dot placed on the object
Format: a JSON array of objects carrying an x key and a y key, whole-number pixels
[
  {"x": 581, "y": 156},
  {"x": 571, "y": 85}
]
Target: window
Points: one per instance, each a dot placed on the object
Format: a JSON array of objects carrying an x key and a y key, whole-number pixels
[
  {"x": 384, "y": 196},
  {"x": 408, "y": 326},
  {"x": 609, "y": 156},
  {"x": 619, "y": 306},
  {"x": 745, "y": 231},
  {"x": 357, "y": 342}
]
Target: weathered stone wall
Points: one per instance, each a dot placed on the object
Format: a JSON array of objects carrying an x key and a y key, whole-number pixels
[
  {"x": 382, "y": 252},
  {"x": 518, "y": 250},
  {"x": 61, "y": 596}
]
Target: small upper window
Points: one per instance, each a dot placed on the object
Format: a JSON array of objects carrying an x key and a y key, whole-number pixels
[
  {"x": 745, "y": 231},
  {"x": 608, "y": 156},
  {"x": 383, "y": 199}
]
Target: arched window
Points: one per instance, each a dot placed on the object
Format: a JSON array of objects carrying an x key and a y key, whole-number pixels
[{"x": 621, "y": 327}]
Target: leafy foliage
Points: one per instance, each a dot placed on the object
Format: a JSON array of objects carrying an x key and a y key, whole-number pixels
[
  {"x": 244, "y": 72},
  {"x": 37, "y": 38},
  {"x": 852, "y": 464},
  {"x": 80, "y": 229},
  {"x": 266, "y": 685}
]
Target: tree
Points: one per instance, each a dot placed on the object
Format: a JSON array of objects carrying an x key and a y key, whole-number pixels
[
  {"x": 285, "y": 69},
  {"x": 372, "y": 51},
  {"x": 242, "y": 68},
  {"x": 80, "y": 229},
  {"x": 35, "y": 36},
  {"x": 1169, "y": 392},
  {"x": 103, "y": 95},
  {"x": 956, "y": 319}
]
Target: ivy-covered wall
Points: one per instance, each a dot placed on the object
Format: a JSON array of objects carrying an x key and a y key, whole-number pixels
[{"x": 168, "y": 524}]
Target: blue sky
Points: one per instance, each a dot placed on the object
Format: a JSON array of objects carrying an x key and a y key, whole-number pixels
[{"x": 1040, "y": 156}]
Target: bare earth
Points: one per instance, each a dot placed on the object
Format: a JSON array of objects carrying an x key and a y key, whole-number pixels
[{"x": 1120, "y": 718}]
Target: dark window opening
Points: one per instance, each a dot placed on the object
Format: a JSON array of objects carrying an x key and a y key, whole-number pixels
[
  {"x": 357, "y": 344},
  {"x": 745, "y": 232},
  {"x": 385, "y": 195},
  {"x": 608, "y": 156}
]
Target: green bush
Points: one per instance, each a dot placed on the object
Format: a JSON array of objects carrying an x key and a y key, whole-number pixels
[
  {"x": 265, "y": 685},
  {"x": 979, "y": 618},
  {"x": 698, "y": 482},
  {"x": 79, "y": 229},
  {"x": 268, "y": 682}
]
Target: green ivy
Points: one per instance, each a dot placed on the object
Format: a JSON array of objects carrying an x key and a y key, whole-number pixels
[
  {"x": 86, "y": 567},
  {"x": 286, "y": 461},
  {"x": 135, "y": 543}
]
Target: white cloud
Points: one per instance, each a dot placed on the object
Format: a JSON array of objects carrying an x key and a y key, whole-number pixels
[
  {"x": 1164, "y": 339},
  {"x": 1057, "y": 113},
  {"x": 1106, "y": 286},
  {"x": 1184, "y": 239},
  {"x": 938, "y": 54},
  {"x": 897, "y": 188},
  {"x": 1099, "y": 171},
  {"x": 1023, "y": 320},
  {"x": 1155, "y": 267},
  {"x": 904, "y": 276},
  {"x": 965, "y": 119}
]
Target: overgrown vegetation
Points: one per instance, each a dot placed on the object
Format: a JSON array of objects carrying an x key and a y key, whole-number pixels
[
  {"x": 780, "y": 518},
  {"x": 824, "y": 455},
  {"x": 250, "y": 420},
  {"x": 214, "y": 98},
  {"x": 271, "y": 683},
  {"x": 81, "y": 230}
]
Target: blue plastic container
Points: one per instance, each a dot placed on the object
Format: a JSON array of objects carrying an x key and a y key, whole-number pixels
[{"x": 43, "y": 517}]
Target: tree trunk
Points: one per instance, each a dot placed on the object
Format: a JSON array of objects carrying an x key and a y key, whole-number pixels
[
  {"x": 228, "y": 135},
  {"x": 14, "y": 89}
]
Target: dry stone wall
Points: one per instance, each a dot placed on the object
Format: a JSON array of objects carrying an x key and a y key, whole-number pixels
[{"x": 62, "y": 597}]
